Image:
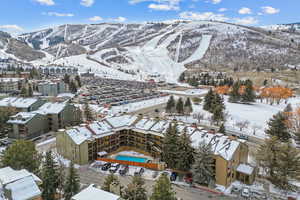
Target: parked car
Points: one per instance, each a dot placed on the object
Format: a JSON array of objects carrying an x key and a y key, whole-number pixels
[
  {"x": 106, "y": 166},
  {"x": 139, "y": 171},
  {"x": 173, "y": 176},
  {"x": 235, "y": 189},
  {"x": 6, "y": 142},
  {"x": 243, "y": 137},
  {"x": 188, "y": 178},
  {"x": 245, "y": 193},
  {"x": 114, "y": 167},
  {"x": 258, "y": 194},
  {"x": 124, "y": 169},
  {"x": 155, "y": 174}
]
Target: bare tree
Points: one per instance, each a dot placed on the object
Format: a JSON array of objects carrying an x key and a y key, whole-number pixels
[
  {"x": 255, "y": 127},
  {"x": 242, "y": 124},
  {"x": 199, "y": 116}
]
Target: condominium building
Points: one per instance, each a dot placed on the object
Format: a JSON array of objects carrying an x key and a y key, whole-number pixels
[
  {"x": 11, "y": 84},
  {"x": 51, "y": 88},
  {"x": 84, "y": 143},
  {"x": 22, "y": 104}
]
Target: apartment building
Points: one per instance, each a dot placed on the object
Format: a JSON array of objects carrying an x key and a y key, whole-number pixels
[
  {"x": 92, "y": 192},
  {"x": 84, "y": 143},
  {"x": 22, "y": 104},
  {"x": 51, "y": 88},
  {"x": 11, "y": 84}
]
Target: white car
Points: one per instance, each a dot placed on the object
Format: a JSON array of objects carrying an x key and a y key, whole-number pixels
[{"x": 245, "y": 193}]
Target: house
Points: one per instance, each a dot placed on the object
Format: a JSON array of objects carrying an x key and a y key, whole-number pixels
[
  {"x": 145, "y": 135},
  {"x": 19, "y": 185},
  {"x": 27, "y": 125},
  {"x": 94, "y": 193},
  {"x": 22, "y": 104},
  {"x": 60, "y": 115}
]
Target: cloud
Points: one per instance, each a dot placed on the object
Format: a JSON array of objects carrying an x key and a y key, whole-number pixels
[
  {"x": 244, "y": 11},
  {"x": 87, "y": 3},
  {"x": 246, "y": 21},
  {"x": 213, "y": 1},
  {"x": 11, "y": 27},
  {"x": 96, "y": 18},
  {"x": 164, "y": 7},
  {"x": 45, "y": 2},
  {"x": 56, "y": 14},
  {"x": 202, "y": 16},
  {"x": 269, "y": 10},
  {"x": 120, "y": 19},
  {"x": 222, "y": 9}
]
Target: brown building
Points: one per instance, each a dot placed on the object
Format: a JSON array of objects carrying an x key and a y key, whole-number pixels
[{"x": 84, "y": 143}]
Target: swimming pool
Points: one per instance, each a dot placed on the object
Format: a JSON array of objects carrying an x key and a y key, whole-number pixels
[{"x": 131, "y": 158}]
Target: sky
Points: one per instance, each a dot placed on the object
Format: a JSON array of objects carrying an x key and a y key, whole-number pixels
[{"x": 18, "y": 16}]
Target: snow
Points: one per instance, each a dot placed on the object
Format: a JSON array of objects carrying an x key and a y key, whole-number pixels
[
  {"x": 21, "y": 118},
  {"x": 46, "y": 142},
  {"x": 94, "y": 193},
  {"x": 79, "y": 135},
  {"x": 189, "y": 92},
  {"x": 245, "y": 169},
  {"x": 121, "y": 121},
  {"x": 17, "y": 102},
  {"x": 51, "y": 108}
]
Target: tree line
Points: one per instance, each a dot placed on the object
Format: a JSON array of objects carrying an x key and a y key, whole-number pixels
[{"x": 179, "y": 106}]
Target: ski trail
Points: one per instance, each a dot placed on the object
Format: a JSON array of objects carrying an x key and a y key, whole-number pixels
[
  {"x": 112, "y": 35},
  {"x": 65, "y": 34},
  {"x": 178, "y": 48}
]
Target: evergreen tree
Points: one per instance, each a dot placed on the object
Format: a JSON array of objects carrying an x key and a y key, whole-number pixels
[
  {"x": 218, "y": 114},
  {"x": 66, "y": 79},
  {"x": 234, "y": 94},
  {"x": 162, "y": 190},
  {"x": 77, "y": 78},
  {"x": 222, "y": 129},
  {"x": 73, "y": 87},
  {"x": 203, "y": 168},
  {"x": 208, "y": 100},
  {"x": 89, "y": 116},
  {"x": 249, "y": 94},
  {"x": 179, "y": 106},
  {"x": 30, "y": 91},
  {"x": 170, "y": 105},
  {"x": 288, "y": 108},
  {"x": 274, "y": 157},
  {"x": 188, "y": 108},
  {"x": 170, "y": 147},
  {"x": 24, "y": 92},
  {"x": 182, "y": 77},
  {"x": 108, "y": 181},
  {"x": 61, "y": 177},
  {"x": 135, "y": 190},
  {"x": 49, "y": 177},
  {"x": 5, "y": 113},
  {"x": 72, "y": 184},
  {"x": 277, "y": 127},
  {"x": 22, "y": 155},
  {"x": 186, "y": 153},
  {"x": 217, "y": 101}
]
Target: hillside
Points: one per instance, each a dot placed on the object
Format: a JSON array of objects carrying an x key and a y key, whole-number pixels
[{"x": 168, "y": 49}]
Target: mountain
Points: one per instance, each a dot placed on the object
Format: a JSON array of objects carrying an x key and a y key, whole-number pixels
[{"x": 134, "y": 51}]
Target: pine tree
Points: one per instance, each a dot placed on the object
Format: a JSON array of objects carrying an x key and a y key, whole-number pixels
[
  {"x": 22, "y": 155},
  {"x": 61, "y": 177},
  {"x": 274, "y": 157},
  {"x": 24, "y": 92},
  {"x": 170, "y": 105},
  {"x": 135, "y": 190},
  {"x": 77, "y": 78},
  {"x": 186, "y": 153},
  {"x": 179, "y": 106},
  {"x": 182, "y": 77},
  {"x": 188, "y": 108},
  {"x": 203, "y": 168},
  {"x": 218, "y": 114},
  {"x": 73, "y": 87},
  {"x": 5, "y": 113},
  {"x": 30, "y": 91},
  {"x": 72, "y": 184},
  {"x": 162, "y": 190},
  {"x": 217, "y": 101},
  {"x": 67, "y": 79},
  {"x": 222, "y": 128},
  {"x": 248, "y": 95},
  {"x": 234, "y": 95},
  {"x": 108, "y": 181},
  {"x": 89, "y": 116},
  {"x": 49, "y": 177},
  {"x": 170, "y": 147},
  {"x": 277, "y": 127},
  {"x": 208, "y": 100},
  {"x": 288, "y": 108}
]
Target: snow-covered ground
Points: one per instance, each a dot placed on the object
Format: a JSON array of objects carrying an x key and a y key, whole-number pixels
[{"x": 189, "y": 92}]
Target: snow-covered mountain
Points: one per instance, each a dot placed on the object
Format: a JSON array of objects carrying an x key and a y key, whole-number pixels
[{"x": 136, "y": 51}]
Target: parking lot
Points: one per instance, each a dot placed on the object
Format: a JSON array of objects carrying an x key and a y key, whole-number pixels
[{"x": 117, "y": 92}]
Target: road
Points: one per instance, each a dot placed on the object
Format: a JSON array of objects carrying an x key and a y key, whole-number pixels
[{"x": 88, "y": 176}]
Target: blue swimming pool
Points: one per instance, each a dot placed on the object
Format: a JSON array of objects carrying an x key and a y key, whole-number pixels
[{"x": 131, "y": 158}]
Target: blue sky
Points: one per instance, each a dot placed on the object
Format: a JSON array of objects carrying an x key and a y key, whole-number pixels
[{"x": 27, "y": 15}]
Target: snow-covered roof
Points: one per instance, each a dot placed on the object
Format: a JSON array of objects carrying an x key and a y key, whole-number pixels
[
  {"x": 18, "y": 102},
  {"x": 145, "y": 124},
  {"x": 79, "y": 134},
  {"x": 21, "y": 118},
  {"x": 100, "y": 128},
  {"x": 221, "y": 145},
  {"x": 51, "y": 108},
  {"x": 23, "y": 189},
  {"x": 9, "y": 80},
  {"x": 94, "y": 193},
  {"x": 9, "y": 175},
  {"x": 245, "y": 169},
  {"x": 121, "y": 121}
]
